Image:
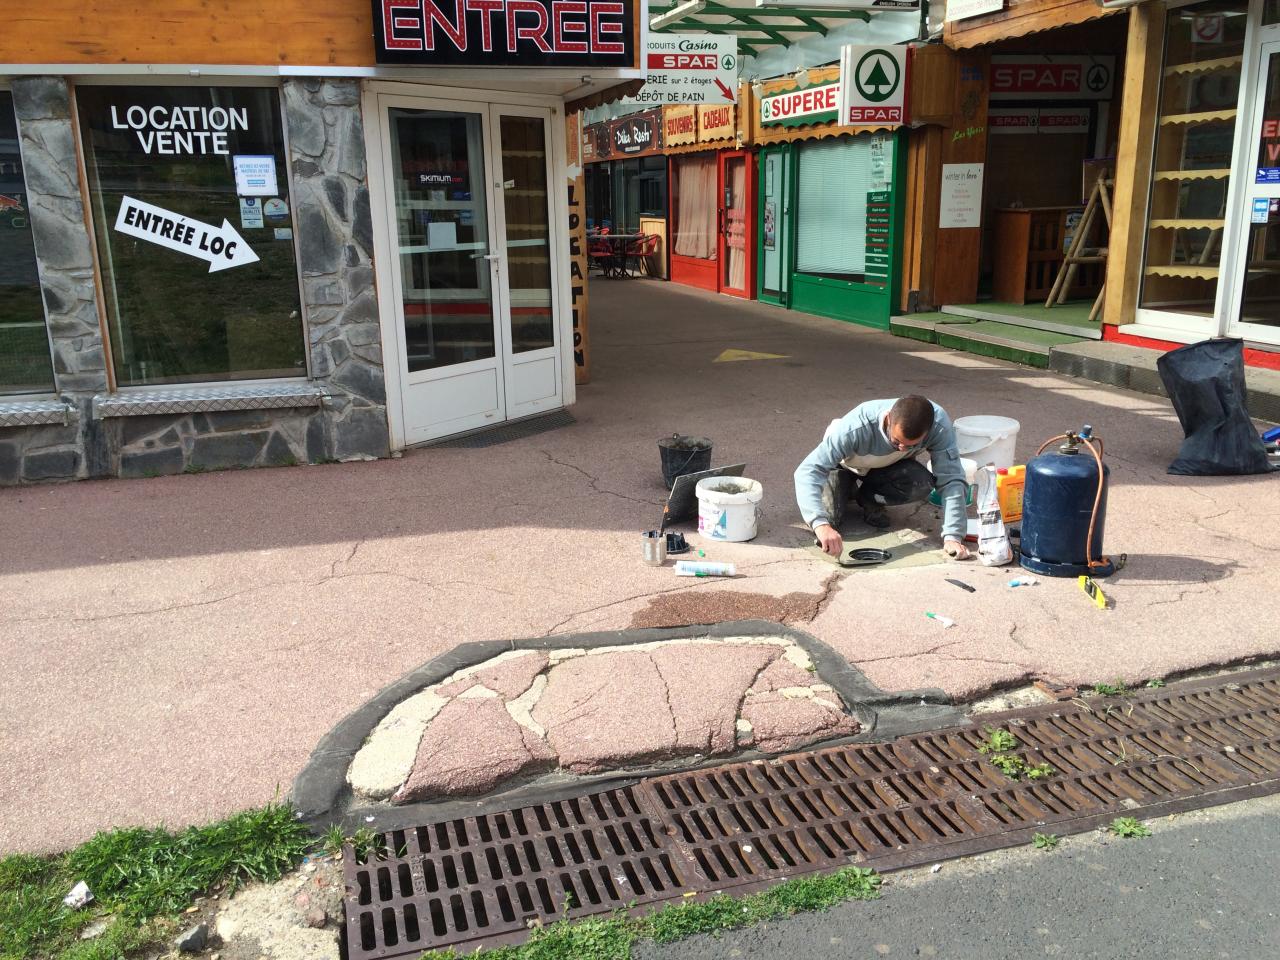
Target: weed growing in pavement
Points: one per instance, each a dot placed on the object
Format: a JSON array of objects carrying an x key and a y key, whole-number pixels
[
  {"x": 1155, "y": 684},
  {"x": 997, "y": 741},
  {"x": 1045, "y": 841},
  {"x": 331, "y": 840},
  {"x": 1117, "y": 689},
  {"x": 1128, "y": 827},
  {"x": 368, "y": 843},
  {"x": 612, "y": 937},
  {"x": 996, "y": 746},
  {"x": 141, "y": 881}
]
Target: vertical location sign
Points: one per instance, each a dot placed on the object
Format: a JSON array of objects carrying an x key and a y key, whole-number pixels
[{"x": 873, "y": 85}]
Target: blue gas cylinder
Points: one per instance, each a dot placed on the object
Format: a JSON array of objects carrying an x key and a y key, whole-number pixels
[{"x": 1057, "y": 504}]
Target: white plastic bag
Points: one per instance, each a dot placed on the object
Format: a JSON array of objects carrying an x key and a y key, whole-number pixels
[{"x": 993, "y": 539}]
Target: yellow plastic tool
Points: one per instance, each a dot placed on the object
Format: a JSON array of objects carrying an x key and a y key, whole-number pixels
[{"x": 1093, "y": 591}]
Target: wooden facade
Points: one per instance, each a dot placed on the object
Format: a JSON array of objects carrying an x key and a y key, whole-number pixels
[
  {"x": 318, "y": 33},
  {"x": 1019, "y": 18}
]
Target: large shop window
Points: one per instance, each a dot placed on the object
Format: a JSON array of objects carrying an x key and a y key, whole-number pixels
[
  {"x": 694, "y": 190},
  {"x": 189, "y": 191},
  {"x": 24, "y": 345},
  {"x": 835, "y": 177},
  {"x": 1196, "y": 128}
]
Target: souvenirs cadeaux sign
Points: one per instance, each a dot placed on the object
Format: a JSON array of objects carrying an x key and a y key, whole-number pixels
[{"x": 507, "y": 33}]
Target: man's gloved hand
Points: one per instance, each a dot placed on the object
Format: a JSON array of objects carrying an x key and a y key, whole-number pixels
[
  {"x": 829, "y": 538},
  {"x": 955, "y": 549}
]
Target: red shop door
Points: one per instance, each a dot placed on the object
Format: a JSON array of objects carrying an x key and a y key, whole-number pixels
[{"x": 737, "y": 242}]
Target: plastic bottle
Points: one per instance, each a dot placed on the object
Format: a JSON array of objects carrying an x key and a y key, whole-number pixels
[
  {"x": 993, "y": 540},
  {"x": 1010, "y": 482},
  {"x": 704, "y": 568}
]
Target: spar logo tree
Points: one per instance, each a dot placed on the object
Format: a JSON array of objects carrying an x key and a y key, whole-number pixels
[{"x": 874, "y": 82}]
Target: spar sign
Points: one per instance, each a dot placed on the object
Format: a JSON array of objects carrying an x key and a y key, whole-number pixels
[
  {"x": 690, "y": 68},
  {"x": 814, "y": 105},
  {"x": 873, "y": 85}
]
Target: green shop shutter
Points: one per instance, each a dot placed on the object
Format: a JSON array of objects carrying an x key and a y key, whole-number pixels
[{"x": 835, "y": 177}]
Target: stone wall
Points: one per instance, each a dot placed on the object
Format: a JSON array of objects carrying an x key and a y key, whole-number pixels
[
  {"x": 334, "y": 236},
  {"x": 335, "y": 252}
]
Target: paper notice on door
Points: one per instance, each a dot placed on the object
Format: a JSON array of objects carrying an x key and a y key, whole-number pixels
[{"x": 442, "y": 234}]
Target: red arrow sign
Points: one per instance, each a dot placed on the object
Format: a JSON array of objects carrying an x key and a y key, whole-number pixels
[{"x": 728, "y": 94}]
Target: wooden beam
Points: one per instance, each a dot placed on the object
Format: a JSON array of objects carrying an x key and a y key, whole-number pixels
[
  {"x": 1139, "y": 106},
  {"x": 796, "y": 14}
]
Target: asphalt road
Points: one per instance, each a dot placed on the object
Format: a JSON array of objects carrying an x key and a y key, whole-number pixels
[{"x": 1202, "y": 886}]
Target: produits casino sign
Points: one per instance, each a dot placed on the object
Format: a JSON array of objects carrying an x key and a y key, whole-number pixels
[{"x": 507, "y": 33}]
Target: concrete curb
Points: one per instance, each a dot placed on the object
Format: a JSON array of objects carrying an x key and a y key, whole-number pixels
[{"x": 322, "y": 796}]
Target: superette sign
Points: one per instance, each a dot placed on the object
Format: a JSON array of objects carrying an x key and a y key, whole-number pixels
[
  {"x": 873, "y": 85},
  {"x": 814, "y": 105},
  {"x": 690, "y": 68},
  {"x": 507, "y": 33}
]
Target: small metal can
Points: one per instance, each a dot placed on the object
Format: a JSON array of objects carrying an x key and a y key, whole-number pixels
[{"x": 655, "y": 548}]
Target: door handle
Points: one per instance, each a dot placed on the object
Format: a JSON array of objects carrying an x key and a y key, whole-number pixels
[{"x": 485, "y": 256}]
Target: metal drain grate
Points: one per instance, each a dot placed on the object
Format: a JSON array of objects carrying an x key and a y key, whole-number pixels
[
  {"x": 492, "y": 436},
  {"x": 916, "y": 800},
  {"x": 486, "y": 877}
]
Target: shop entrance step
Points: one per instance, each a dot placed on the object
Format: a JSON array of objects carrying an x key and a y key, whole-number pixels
[
  {"x": 486, "y": 879},
  {"x": 986, "y": 338},
  {"x": 1071, "y": 318}
]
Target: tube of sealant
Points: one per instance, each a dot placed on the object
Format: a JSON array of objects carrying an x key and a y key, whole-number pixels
[
  {"x": 945, "y": 621},
  {"x": 704, "y": 568}
]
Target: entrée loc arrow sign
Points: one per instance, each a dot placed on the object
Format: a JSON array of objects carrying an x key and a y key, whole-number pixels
[{"x": 222, "y": 247}]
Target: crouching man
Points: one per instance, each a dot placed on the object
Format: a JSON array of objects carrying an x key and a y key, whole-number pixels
[{"x": 869, "y": 455}]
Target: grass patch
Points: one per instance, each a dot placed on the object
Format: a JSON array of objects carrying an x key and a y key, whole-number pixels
[
  {"x": 612, "y": 937},
  {"x": 1045, "y": 841},
  {"x": 141, "y": 881}
]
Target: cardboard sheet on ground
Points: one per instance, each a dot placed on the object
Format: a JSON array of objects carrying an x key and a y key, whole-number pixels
[
  {"x": 682, "y": 504},
  {"x": 919, "y": 554}
]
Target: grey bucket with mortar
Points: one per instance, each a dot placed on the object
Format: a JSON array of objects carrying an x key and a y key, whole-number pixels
[{"x": 681, "y": 455}]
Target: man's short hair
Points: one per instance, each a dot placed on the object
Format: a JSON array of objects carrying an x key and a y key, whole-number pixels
[{"x": 913, "y": 416}]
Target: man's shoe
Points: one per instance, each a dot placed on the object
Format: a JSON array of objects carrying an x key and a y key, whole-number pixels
[{"x": 875, "y": 515}]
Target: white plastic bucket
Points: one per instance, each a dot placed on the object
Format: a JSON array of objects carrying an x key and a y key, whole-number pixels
[
  {"x": 728, "y": 508},
  {"x": 987, "y": 439}
]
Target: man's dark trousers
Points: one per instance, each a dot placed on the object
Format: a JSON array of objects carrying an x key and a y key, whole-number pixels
[{"x": 906, "y": 481}]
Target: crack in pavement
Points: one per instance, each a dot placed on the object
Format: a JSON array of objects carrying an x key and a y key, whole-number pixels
[
  {"x": 196, "y": 604},
  {"x": 594, "y": 481},
  {"x": 705, "y": 584},
  {"x": 829, "y": 590}
]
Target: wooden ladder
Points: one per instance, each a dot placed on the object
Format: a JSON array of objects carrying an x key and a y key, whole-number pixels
[{"x": 1078, "y": 253}]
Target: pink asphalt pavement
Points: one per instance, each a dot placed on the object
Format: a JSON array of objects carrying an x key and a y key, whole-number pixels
[{"x": 174, "y": 648}]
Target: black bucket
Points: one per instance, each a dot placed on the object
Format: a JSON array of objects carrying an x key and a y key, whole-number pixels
[{"x": 681, "y": 455}]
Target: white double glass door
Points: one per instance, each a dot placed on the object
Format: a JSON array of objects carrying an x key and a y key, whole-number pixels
[
  {"x": 1257, "y": 282},
  {"x": 474, "y": 262}
]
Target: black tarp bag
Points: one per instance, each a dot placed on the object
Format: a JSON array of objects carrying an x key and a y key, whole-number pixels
[{"x": 1205, "y": 381}]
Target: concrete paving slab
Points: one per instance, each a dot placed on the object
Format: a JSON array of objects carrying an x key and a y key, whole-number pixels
[{"x": 174, "y": 648}]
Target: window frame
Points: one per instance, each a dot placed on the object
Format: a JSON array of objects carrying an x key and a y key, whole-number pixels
[
  {"x": 266, "y": 82},
  {"x": 6, "y": 86}
]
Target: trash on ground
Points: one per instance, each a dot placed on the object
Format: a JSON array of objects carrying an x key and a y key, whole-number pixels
[
  {"x": 1024, "y": 582},
  {"x": 945, "y": 621},
  {"x": 80, "y": 896},
  {"x": 935, "y": 868}
]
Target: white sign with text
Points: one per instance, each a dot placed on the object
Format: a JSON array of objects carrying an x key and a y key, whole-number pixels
[
  {"x": 690, "y": 68},
  {"x": 221, "y": 247},
  {"x": 873, "y": 85},
  {"x": 961, "y": 204}
]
